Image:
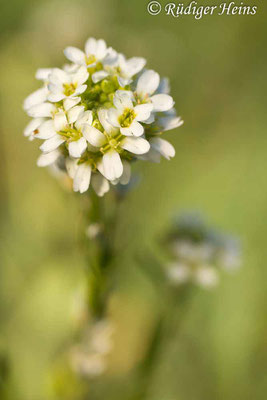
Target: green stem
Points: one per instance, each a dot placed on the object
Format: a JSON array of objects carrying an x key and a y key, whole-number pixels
[{"x": 101, "y": 252}]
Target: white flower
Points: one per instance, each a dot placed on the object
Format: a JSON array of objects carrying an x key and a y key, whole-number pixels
[
  {"x": 147, "y": 85},
  {"x": 112, "y": 143},
  {"x": 96, "y": 51},
  {"x": 129, "y": 68},
  {"x": 126, "y": 116},
  {"x": 65, "y": 127},
  {"x": 206, "y": 276},
  {"x": 62, "y": 84}
]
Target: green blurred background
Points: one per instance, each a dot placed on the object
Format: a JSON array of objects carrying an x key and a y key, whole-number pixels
[{"x": 217, "y": 68}]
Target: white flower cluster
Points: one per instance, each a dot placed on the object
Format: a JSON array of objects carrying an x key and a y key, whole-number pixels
[
  {"x": 98, "y": 114},
  {"x": 198, "y": 253},
  {"x": 89, "y": 358}
]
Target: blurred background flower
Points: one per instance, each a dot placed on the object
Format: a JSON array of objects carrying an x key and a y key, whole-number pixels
[{"x": 217, "y": 68}]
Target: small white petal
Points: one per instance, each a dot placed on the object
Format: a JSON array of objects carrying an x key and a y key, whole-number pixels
[
  {"x": 164, "y": 86},
  {"x": 82, "y": 178},
  {"x": 71, "y": 167},
  {"x": 60, "y": 121},
  {"x": 75, "y": 55},
  {"x": 126, "y": 175},
  {"x": 136, "y": 128},
  {"x": 43, "y": 73},
  {"x": 81, "y": 75},
  {"x": 55, "y": 97},
  {"x": 135, "y": 145},
  {"x": 52, "y": 143},
  {"x": 143, "y": 111},
  {"x": 41, "y": 110},
  {"x": 77, "y": 147},
  {"x": 46, "y": 130},
  {"x": 93, "y": 135},
  {"x": 70, "y": 102},
  {"x": 101, "y": 49},
  {"x": 100, "y": 184},
  {"x": 37, "y": 97},
  {"x": 126, "y": 131},
  {"x": 167, "y": 123},
  {"x": 79, "y": 90},
  {"x": 48, "y": 158},
  {"x": 162, "y": 102},
  {"x": 58, "y": 76},
  {"x": 163, "y": 147},
  {"x": 148, "y": 82},
  {"x": 99, "y": 75},
  {"x": 90, "y": 46},
  {"x": 122, "y": 99},
  {"x": 134, "y": 65},
  {"x": 74, "y": 113},
  {"x": 113, "y": 117},
  {"x": 32, "y": 126},
  {"x": 85, "y": 118},
  {"x": 103, "y": 118},
  {"x": 112, "y": 165}
]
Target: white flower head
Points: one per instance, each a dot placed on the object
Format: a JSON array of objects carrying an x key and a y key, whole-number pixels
[
  {"x": 198, "y": 252},
  {"x": 126, "y": 116},
  {"x": 98, "y": 114}
]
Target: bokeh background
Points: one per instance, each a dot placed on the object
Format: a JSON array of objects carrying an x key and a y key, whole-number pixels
[{"x": 217, "y": 68}]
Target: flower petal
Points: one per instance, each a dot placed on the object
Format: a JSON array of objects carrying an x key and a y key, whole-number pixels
[
  {"x": 137, "y": 129},
  {"x": 126, "y": 175},
  {"x": 93, "y": 135},
  {"x": 135, "y": 145},
  {"x": 90, "y": 46},
  {"x": 103, "y": 118},
  {"x": 75, "y": 55},
  {"x": 143, "y": 111},
  {"x": 46, "y": 130},
  {"x": 32, "y": 126},
  {"x": 41, "y": 110},
  {"x": 101, "y": 49},
  {"x": 134, "y": 65},
  {"x": 55, "y": 97},
  {"x": 122, "y": 99},
  {"x": 165, "y": 148},
  {"x": 148, "y": 82},
  {"x": 70, "y": 102},
  {"x": 82, "y": 178},
  {"x": 37, "y": 97},
  {"x": 60, "y": 121},
  {"x": 52, "y": 144},
  {"x": 58, "y": 76},
  {"x": 74, "y": 113},
  {"x": 162, "y": 102},
  {"x": 112, "y": 165},
  {"x": 113, "y": 116},
  {"x": 100, "y": 184},
  {"x": 42, "y": 74},
  {"x": 48, "y": 158},
  {"x": 99, "y": 75},
  {"x": 81, "y": 75},
  {"x": 77, "y": 147},
  {"x": 85, "y": 118},
  {"x": 71, "y": 167}
]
